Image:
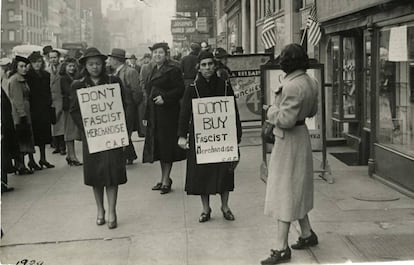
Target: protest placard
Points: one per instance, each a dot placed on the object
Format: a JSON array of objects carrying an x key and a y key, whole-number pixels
[
  {"x": 215, "y": 132},
  {"x": 103, "y": 117}
]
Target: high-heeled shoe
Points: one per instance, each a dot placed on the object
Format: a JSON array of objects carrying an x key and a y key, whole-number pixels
[
  {"x": 228, "y": 215},
  {"x": 100, "y": 220},
  {"x": 166, "y": 188},
  {"x": 24, "y": 171},
  {"x": 76, "y": 163},
  {"x": 33, "y": 166},
  {"x": 113, "y": 224},
  {"x": 204, "y": 217},
  {"x": 44, "y": 163}
]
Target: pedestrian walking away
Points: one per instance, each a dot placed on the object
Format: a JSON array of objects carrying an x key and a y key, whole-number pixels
[
  {"x": 106, "y": 169},
  {"x": 189, "y": 64},
  {"x": 58, "y": 129},
  {"x": 289, "y": 189},
  {"x": 164, "y": 88},
  {"x": 38, "y": 80},
  {"x": 213, "y": 178}
]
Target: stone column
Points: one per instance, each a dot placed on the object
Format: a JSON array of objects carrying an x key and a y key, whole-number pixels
[
  {"x": 245, "y": 27},
  {"x": 252, "y": 26}
]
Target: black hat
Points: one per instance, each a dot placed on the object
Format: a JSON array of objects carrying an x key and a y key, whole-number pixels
[
  {"x": 92, "y": 52},
  {"x": 47, "y": 49},
  {"x": 205, "y": 55},
  {"x": 118, "y": 53},
  {"x": 220, "y": 53},
  {"x": 19, "y": 58},
  {"x": 162, "y": 45},
  {"x": 147, "y": 55},
  {"x": 34, "y": 56},
  {"x": 133, "y": 57}
]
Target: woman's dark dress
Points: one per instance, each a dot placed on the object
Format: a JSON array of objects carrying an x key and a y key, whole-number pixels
[
  {"x": 106, "y": 168},
  {"x": 205, "y": 178},
  {"x": 162, "y": 120},
  {"x": 40, "y": 106}
]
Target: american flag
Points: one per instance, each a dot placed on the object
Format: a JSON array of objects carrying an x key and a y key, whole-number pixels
[
  {"x": 268, "y": 33},
  {"x": 314, "y": 31}
]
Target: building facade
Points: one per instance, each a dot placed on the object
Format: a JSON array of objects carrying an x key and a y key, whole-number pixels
[{"x": 22, "y": 23}]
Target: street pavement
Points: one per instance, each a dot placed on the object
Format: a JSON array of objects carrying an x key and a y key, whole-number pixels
[{"x": 50, "y": 218}]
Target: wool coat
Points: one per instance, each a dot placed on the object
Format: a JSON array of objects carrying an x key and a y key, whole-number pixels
[
  {"x": 9, "y": 144},
  {"x": 106, "y": 168},
  {"x": 71, "y": 132},
  {"x": 40, "y": 106},
  {"x": 210, "y": 178},
  {"x": 289, "y": 189},
  {"x": 19, "y": 94},
  {"x": 162, "y": 120},
  {"x": 132, "y": 97},
  {"x": 58, "y": 129}
]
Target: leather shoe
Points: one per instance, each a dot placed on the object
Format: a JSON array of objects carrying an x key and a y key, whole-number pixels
[
  {"x": 100, "y": 220},
  {"x": 166, "y": 188},
  {"x": 204, "y": 217},
  {"x": 277, "y": 256},
  {"x": 157, "y": 186},
  {"x": 113, "y": 224},
  {"x": 228, "y": 215},
  {"x": 310, "y": 241}
]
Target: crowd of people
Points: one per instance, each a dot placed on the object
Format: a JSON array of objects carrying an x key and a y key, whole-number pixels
[{"x": 40, "y": 107}]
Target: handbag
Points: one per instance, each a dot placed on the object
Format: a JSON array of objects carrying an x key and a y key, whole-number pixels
[
  {"x": 267, "y": 132},
  {"x": 52, "y": 113}
]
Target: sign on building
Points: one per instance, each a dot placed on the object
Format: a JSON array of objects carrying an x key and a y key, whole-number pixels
[
  {"x": 215, "y": 131},
  {"x": 103, "y": 117},
  {"x": 245, "y": 80}
]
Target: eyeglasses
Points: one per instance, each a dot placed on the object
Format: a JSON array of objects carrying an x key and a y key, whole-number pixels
[{"x": 207, "y": 64}]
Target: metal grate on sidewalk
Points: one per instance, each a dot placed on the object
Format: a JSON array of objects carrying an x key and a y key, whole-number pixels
[{"x": 384, "y": 247}]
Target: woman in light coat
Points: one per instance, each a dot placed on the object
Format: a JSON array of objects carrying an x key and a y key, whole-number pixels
[{"x": 289, "y": 191}]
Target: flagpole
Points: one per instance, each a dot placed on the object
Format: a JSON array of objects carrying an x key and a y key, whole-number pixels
[{"x": 303, "y": 36}]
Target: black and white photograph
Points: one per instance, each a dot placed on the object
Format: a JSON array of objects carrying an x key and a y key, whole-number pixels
[{"x": 207, "y": 132}]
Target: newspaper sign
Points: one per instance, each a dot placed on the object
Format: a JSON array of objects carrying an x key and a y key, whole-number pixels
[
  {"x": 103, "y": 117},
  {"x": 215, "y": 132}
]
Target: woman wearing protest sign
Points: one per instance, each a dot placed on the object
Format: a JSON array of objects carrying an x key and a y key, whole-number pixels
[
  {"x": 289, "y": 189},
  {"x": 213, "y": 178},
  {"x": 106, "y": 168},
  {"x": 19, "y": 94},
  {"x": 68, "y": 73},
  {"x": 164, "y": 87},
  {"x": 38, "y": 80}
]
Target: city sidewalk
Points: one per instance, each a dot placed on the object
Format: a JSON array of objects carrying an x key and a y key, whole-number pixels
[{"x": 50, "y": 217}]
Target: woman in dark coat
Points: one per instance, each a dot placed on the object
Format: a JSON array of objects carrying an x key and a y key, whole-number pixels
[
  {"x": 40, "y": 108},
  {"x": 164, "y": 87},
  {"x": 106, "y": 168},
  {"x": 213, "y": 178},
  {"x": 68, "y": 73}
]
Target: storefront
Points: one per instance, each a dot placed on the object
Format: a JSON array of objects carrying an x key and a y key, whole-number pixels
[{"x": 369, "y": 57}]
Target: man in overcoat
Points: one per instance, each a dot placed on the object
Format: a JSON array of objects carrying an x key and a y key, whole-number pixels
[{"x": 131, "y": 92}]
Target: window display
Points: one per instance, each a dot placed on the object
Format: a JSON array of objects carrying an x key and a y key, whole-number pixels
[{"x": 396, "y": 87}]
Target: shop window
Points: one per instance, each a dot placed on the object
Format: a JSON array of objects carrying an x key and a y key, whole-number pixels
[
  {"x": 10, "y": 14},
  {"x": 396, "y": 88}
]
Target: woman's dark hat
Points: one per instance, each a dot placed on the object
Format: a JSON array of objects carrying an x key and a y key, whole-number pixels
[
  {"x": 19, "y": 58},
  {"x": 220, "y": 53},
  {"x": 205, "y": 55},
  {"x": 118, "y": 53},
  {"x": 47, "y": 49},
  {"x": 162, "y": 45},
  {"x": 34, "y": 56},
  {"x": 92, "y": 52}
]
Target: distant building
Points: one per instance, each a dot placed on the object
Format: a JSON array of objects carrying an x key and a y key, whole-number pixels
[{"x": 21, "y": 23}]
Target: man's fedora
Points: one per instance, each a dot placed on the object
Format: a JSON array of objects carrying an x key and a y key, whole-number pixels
[
  {"x": 118, "y": 53},
  {"x": 92, "y": 52}
]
